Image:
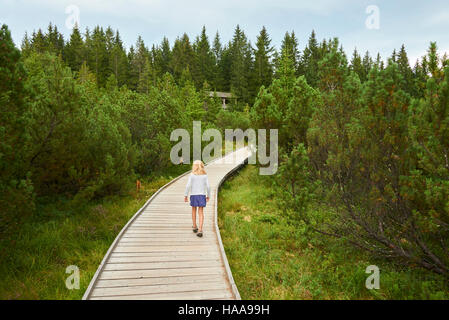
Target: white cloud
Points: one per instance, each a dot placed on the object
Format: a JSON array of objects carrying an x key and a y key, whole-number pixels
[
  {"x": 439, "y": 18},
  {"x": 182, "y": 8},
  {"x": 154, "y": 19},
  {"x": 316, "y": 6},
  {"x": 140, "y": 9}
]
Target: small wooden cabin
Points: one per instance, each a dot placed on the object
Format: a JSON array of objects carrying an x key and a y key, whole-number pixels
[{"x": 226, "y": 97}]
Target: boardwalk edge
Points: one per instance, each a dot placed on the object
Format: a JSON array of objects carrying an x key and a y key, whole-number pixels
[
  {"x": 100, "y": 268},
  {"x": 235, "y": 291},
  {"x": 119, "y": 236}
]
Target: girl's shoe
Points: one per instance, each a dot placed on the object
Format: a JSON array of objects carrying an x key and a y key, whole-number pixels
[
  {"x": 195, "y": 230},
  {"x": 200, "y": 234}
]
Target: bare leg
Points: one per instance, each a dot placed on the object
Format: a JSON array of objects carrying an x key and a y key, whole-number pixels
[
  {"x": 201, "y": 216},
  {"x": 194, "y": 216}
]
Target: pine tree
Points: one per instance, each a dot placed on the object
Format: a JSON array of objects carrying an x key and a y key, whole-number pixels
[
  {"x": 205, "y": 60},
  {"x": 225, "y": 65},
  {"x": 367, "y": 65},
  {"x": 147, "y": 78},
  {"x": 218, "y": 78},
  {"x": 406, "y": 71},
  {"x": 419, "y": 79},
  {"x": 16, "y": 191},
  {"x": 393, "y": 57},
  {"x": 85, "y": 76},
  {"x": 309, "y": 62},
  {"x": 109, "y": 39},
  {"x": 433, "y": 61},
  {"x": 54, "y": 40},
  {"x": 74, "y": 50},
  {"x": 289, "y": 47},
  {"x": 183, "y": 56},
  {"x": 26, "y": 46},
  {"x": 98, "y": 60},
  {"x": 166, "y": 56},
  {"x": 263, "y": 68},
  {"x": 240, "y": 71},
  {"x": 332, "y": 69},
  {"x": 379, "y": 64},
  {"x": 376, "y": 160},
  {"x": 356, "y": 66},
  {"x": 38, "y": 41},
  {"x": 156, "y": 60},
  {"x": 118, "y": 62},
  {"x": 13, "y": 105},
  {"x": 133, "y": 76},
  {"x": 286, "y": 69},
  {"x": 137, "y": 59},
  {"x": 328, "y": 135},
  {"x": 427, "y": 185},
  {"x": 213, "y": 105},
  {"x": 287, "y": 105}
]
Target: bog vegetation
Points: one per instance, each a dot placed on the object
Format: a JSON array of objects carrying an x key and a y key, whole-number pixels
[
  {"x": 273, "y": 256},
  {"x": 81, "y": 118}
]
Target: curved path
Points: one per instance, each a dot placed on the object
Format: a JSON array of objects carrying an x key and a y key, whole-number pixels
[{"x": 157, "y": 256}]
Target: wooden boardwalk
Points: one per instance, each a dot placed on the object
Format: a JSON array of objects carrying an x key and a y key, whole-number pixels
[{"x": 157, "y": 256}]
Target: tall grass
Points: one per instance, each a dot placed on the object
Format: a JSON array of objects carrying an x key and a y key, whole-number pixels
[
  {"x": 33, "y": 260},
  {"x": 274, "y": 258},
  {"x": 61, "y": 233}
]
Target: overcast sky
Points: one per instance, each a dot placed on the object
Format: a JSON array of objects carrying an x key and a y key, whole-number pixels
[{"x": 413, "y": 23}]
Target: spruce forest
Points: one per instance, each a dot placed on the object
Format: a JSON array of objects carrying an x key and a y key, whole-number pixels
[{"x": 82, "y": 118}]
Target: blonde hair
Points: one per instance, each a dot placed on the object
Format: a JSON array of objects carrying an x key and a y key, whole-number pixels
[{"x": 198, "y": 167}]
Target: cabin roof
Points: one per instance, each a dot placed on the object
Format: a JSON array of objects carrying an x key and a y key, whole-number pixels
[{"x": 221, "y": 94}]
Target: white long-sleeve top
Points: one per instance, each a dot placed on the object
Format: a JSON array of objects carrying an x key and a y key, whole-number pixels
[{"x": 198, "y": 185}]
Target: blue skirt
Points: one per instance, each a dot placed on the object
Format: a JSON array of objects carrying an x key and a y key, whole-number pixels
[{"x": 198, "y": 200}]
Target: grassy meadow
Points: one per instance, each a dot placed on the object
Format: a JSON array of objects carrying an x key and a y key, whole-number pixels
[
  {"x": 60, "y": 234},
  {"x": 274, "y": 258}
]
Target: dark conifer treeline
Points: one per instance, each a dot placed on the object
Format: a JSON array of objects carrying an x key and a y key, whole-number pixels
[{"x": 237, "y": 66}]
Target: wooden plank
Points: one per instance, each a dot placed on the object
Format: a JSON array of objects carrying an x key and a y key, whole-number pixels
[
  {"x": 191, "y": 295},
  {"x": 162, "y": 236},
  {"x": 166, "y": 228},
  {"x": 135, "y": 274},
  {"x": 167, "y": 242},
  {"x": 159, "y": 230},
  {"x": 163, "y": 265},
  {"x": 185, "y": 226},
  {"x": 180, "y": 236},
  {"x": 158, "y": 289},
  {"x": 164, "y": 223},
  {"x": 165, "y": 248},
  {"x": 167, "y": 254},
  {"x": 210, "y": 257},
  {"x": 165, "y": 214},
  {"x": 184, "y": 220},
  {"x": 196, "y": 245},
  {"x": 173, "y": 231},
  {"x": 186, "y": 217},
  {"x": 157, "y": 281},
  {"x": 140, "y": 233}
]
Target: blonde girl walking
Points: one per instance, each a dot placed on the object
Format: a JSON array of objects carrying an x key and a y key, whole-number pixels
[{"x": 199, "y": 189}]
